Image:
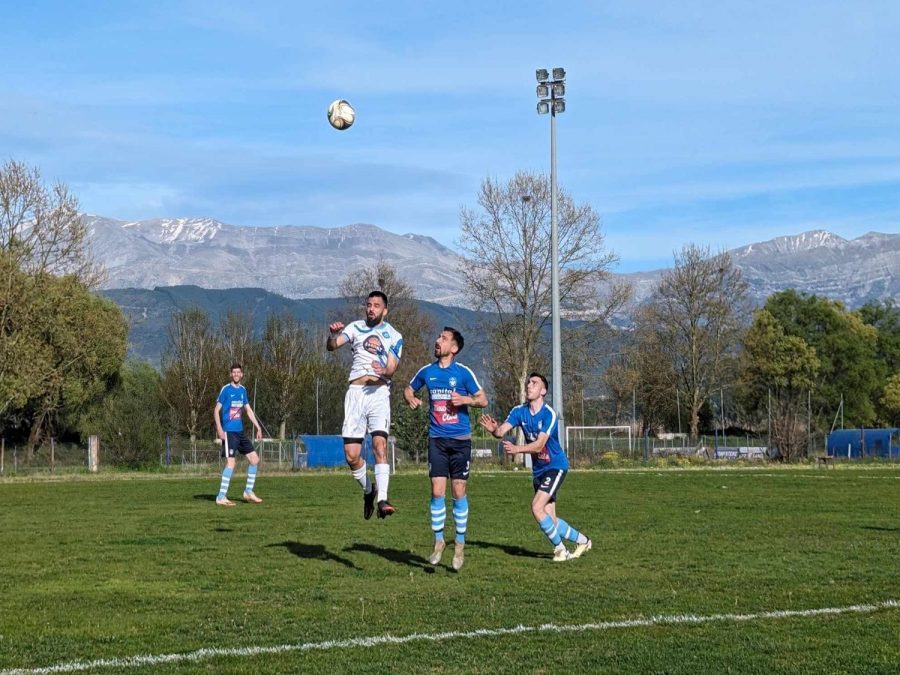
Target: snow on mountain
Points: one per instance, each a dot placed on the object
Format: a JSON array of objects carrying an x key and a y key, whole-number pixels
[{"x": 309, "y": 262}]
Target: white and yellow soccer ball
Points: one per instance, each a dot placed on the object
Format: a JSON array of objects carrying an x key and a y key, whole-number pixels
[{"x": 341, "y": 114}]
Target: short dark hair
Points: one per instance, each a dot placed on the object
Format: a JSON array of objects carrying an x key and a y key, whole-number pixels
[
  {"x": 457, "y": 337},
  {"x": 542, "y": 379},
  {"x": 379, "y": 294},
  {"x": 236, "y": 365}
]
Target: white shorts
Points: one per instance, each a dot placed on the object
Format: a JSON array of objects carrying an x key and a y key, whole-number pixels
[{"x": 367, "y": 408}]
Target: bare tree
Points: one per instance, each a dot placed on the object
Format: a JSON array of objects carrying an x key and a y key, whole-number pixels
[
  {"x": 285, "y": 366},
  {"x": 506, "y": 243},
  {"x": 189, "y": 371},
  {"x": 40, "y": 227},
  {"x": 692, "y": 327}
]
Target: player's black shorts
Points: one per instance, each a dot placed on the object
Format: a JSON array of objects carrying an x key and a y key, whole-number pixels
[
  {"x": 449, "y": 457},
  {"x": 550, "y": 482},
  {"x": 236, "y": 441}
]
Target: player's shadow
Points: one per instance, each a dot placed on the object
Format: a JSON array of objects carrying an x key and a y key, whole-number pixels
[
  {"x": 206, "y": 497},
  {"x": 395, "y": 555},
  {"x": 314, "y": 552},
  {"x": 876, "y": 528},
  {"x": 509, "y": 549}
]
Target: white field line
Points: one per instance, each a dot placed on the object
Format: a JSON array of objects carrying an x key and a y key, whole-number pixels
[{"x": 375, "y": 641}]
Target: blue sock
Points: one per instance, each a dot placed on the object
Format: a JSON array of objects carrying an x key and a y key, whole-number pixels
[
  {"x": 438, "y": 517},
  {"x": 550, "y": 530},
  {"x": 461, "y": 518},
  {"x": 251, "y": 478},
  {"x": 226, "y": 481},
  {"x": 566, "y": 531}
]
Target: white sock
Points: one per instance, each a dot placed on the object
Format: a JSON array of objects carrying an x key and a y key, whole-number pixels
[
  {"x": 382, "y": 477},
  {"x": 559, "y": 547},
  {"x": 582, "y": 539},
  {"x": 362, "y": 477}
]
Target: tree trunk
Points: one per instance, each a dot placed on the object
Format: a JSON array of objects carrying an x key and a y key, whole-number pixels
[{"x": 282, "y": 427}]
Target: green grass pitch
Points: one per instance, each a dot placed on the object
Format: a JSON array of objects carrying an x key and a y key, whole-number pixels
[{"x": 115, "y": 568}]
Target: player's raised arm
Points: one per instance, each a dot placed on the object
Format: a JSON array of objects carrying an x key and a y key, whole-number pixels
[
  {"x": 493, "y": 427},
  {"x": 337, "y": 337}
]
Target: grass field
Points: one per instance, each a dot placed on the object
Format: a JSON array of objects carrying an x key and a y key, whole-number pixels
[{"x": 113, "y": 569}]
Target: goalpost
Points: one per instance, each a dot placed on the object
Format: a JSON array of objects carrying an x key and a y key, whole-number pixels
[{"x": 587, "y": 444}]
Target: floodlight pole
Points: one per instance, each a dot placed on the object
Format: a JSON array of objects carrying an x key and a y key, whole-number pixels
[
  {"x": 551, "y": 91},
  {"x": 554, "y": 281}
]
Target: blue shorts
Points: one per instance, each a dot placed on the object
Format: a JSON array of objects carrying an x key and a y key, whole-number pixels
[
  {"x": 236, "y": 441},
  {"x": 550, "y": 481},
  {"x": 449, "y": 457}
]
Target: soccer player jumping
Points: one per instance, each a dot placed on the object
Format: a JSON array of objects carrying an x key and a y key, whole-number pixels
[
  {"x": 452, "y": 388},
  {"x": 541, "y": 427},
  {"x": 376, "y": 347}
]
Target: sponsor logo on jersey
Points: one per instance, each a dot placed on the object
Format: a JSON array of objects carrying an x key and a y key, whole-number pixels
[{"x": 373, "y": 345}]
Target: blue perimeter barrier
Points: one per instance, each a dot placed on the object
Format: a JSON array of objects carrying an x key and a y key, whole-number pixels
[{"x": 329, "y": 451}]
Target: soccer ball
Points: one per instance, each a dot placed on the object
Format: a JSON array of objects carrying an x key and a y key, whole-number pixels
[{"x": 341, "y": 114}]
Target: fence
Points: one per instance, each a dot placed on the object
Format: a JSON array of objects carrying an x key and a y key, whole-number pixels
[
  {"x": 178, "y": 454},
  {"x": 49, "y": 458}
]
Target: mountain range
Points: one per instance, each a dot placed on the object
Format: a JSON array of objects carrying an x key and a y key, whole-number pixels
[{"x": 304, "y": 262}]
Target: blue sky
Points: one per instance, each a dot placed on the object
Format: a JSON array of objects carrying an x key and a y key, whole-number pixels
[{"x": 714, "y": 123}]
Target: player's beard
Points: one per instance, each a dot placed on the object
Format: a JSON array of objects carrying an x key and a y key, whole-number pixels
[{"x": 371, "y": 323}]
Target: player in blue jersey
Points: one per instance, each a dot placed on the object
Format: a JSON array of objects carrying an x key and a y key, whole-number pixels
[
  {"x": 452, "y": 388},
  {"x": 376, "y": 347},
  {"x": 540, "y": 425},
  {"x": 230, "y": 406}
]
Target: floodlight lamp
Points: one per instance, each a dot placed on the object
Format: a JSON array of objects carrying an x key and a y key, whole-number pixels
[
  {"x": 543, "y": 107},
  {"x": 559, "y": 73},
  {"x": 559, "y": 106},
  {"x": 543, "y": 91},
  {"x": 559, "y": 89},
  {"x": 542, "y": 75}
]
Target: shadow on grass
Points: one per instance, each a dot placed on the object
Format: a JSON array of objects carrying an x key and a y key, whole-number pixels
[
  {"x": 509, "y": 549},
  {"x": 876, "y": 528},
  {"x": 223, "y": 529},
  {"x": 206, "y": 498},
  {"x": 395, "y": 555},
  {"x": 313, "y": 552}
]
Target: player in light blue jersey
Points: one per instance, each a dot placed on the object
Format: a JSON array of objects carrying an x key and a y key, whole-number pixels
[
  {"x": 540, "y": 425},
  {"x": 452, "y": 388},
  {"x": 228, "y": 413}
]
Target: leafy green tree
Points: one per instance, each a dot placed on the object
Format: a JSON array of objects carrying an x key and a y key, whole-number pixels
[
  {"x": 890, "y": 400},
  {"x": 130, "y": 419},
  {"x": 884, "y": 317},
  {"x": 847, "y": 352},
  {"x": 41, "y": 236},
  {"x": 84, "y": 340},
  {"x": 410, "y": 428},
  {"x": 780, "y": 369}
]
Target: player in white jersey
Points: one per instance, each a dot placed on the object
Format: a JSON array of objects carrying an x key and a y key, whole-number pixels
[{"x": 376, "y": 347}]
